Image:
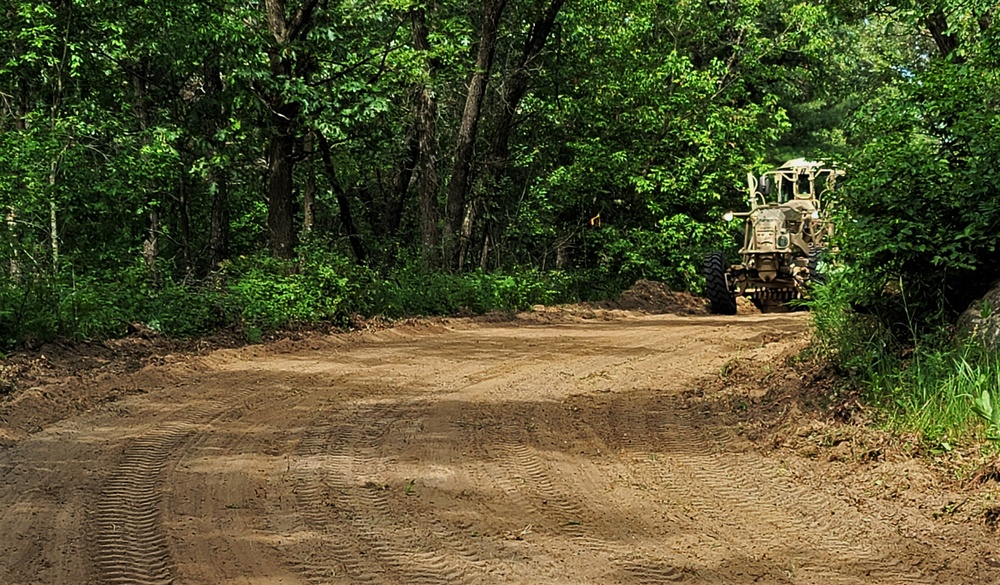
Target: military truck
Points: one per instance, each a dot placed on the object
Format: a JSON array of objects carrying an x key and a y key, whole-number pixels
[{"x": 784, "y": 237}]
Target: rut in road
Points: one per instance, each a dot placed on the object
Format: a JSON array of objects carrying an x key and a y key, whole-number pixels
[{"x": 130, "y": 546}]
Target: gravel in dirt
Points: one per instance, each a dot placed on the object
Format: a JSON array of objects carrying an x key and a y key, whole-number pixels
[{"x": 618, "y": 447}]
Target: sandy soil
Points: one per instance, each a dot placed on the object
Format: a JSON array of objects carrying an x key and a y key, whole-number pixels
[{"x": 577, "y": 450}]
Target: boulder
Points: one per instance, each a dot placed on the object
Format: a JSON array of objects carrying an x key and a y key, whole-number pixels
[{"x": 981, "y": 321}]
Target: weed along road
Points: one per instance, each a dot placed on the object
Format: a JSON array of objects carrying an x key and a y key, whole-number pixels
[{"x": 569, "y": 451}]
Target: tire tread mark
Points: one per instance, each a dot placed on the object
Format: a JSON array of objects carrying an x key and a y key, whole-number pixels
[
  {"x": 130, "y": 546},
  {"x": 335, "y": 503},
  {"x": 724, "y": 485}
]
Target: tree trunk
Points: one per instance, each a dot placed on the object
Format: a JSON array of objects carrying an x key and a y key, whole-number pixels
[
  {"x": 309, "y": 190},
  {"x": 216, "y": 179},
  {"x": 430, "y": 239},
  {"x": 281, "y": 150},
  {"x": 937, "y": 24},
  {"x": 426, "y": 136},
  {"x": 458, "y": 188},
  {"x": 15, "y": 263},
  {"x": 485, "y": 255},
  {"x": 465, "y": 239},
  {"x": 516, "y": 87},
  {"x": 346, "y": 218},
  {"x": 401, "y": 186},
  {"x": 280, "y": 202},
  {"x": 53, "y": 223},
  {"x": 54, "y": 166},
  {"x": 184, "y": 219},
  {"x": 219, "y": 238},
  {"x": 151, "y": 246}
]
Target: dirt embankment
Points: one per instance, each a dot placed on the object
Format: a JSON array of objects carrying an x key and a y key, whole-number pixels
[{"x": 546, "y": 448}]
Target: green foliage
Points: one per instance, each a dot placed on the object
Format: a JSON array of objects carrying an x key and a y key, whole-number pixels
[
  {"x": 266, "y": 294},
  {"x": 982, "y": 406},
  {"x": 919, "y": 223},
  {"x": 920, "y": 213},
  {"x": 73, "y": 306},
  {"x": 673, "y": 253},
  {"x": 924, "y": 383},
  {"x": 412, "y": 292},
  {"x": 258, "y": 294}
]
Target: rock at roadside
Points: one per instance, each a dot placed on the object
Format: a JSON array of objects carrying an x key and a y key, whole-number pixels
[{"x": 981, "y": 321}]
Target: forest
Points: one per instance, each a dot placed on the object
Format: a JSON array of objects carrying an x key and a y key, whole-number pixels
[{"x": 251, "y": 165}]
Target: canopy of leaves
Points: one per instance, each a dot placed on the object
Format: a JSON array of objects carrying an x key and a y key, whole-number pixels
[{"x": 142, "y": 137}]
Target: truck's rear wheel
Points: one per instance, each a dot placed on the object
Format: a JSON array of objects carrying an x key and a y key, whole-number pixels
[{"x": 716, "y": 289}]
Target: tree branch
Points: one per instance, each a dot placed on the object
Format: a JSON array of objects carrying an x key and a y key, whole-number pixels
[{"x": 301, "y": 19}]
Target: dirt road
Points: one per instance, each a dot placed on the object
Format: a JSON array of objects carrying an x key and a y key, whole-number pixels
[{"x": 471, "y": 453}]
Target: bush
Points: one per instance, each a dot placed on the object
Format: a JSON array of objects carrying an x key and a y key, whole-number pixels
[
  {"x": 920, "y": 212},
  {"x": 673, "y": 254},
  {"x": 257, "y": 294},
  {"x": 74, "y": 306},
  {"x": 918, "y": 227},
  {"x": 267, "y": 294},
  {"x": 923, "y": 381},
  {"x": 411, "y": 292}
]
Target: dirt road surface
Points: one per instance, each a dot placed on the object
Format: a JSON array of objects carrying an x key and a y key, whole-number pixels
[{"x": 450, "y": 453}]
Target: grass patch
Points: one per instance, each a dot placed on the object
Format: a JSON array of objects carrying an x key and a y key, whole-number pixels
[{"x": 917, "y": 381}]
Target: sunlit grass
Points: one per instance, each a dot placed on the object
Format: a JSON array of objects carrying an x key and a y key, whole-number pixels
[{"x": 931, "y": 387}]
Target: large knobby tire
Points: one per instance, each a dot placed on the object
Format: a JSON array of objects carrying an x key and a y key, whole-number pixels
[
  {"x": 723, "y": 302},
  {"x": 816, "y": 276}
]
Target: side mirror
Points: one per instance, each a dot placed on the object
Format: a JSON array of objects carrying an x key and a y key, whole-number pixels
[{"x": 766, "y": 185}]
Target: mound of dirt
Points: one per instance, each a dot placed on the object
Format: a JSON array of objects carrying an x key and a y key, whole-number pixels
[
  {"x": 745, "y": 306},
  {"x": 644, "y": 297},
  {"x": 653, "y": 297}
]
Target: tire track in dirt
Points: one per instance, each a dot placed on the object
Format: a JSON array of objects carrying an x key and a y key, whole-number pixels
[
  {"x": 212, "y": 520},
  {"x": 527, "y": 481},
  {"x": 823, "y": 539},
  {"x": 649, "y": 574},
  {"x": 578, "y": 506},
  {"x": 324, "y": 505},
  {"x": 535, "y": 484},
  {"x": 131, "y": 546},
  {"x": 749, "y": 485},
  {"x": 320, "y": 508},
  {"x": 533, "y": 478},
  {"x": 342, "y": 498},
  {"x": 420, "y": 556}
]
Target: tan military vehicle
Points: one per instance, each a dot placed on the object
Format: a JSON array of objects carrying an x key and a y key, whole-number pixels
[{"x": 784, "y": 235}]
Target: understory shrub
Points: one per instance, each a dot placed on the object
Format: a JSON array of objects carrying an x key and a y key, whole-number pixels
[
  {"x": 258, "y": 294},
  {"x": 917, "y": 380}
]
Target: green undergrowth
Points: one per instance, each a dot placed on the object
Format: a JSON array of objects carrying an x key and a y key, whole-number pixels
[
  {"x": 915, "y": 380},
  {"x": 254, "y": 295}
]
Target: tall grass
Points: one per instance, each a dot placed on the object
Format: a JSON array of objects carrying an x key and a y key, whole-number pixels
[
  {"x": 934, "y": 392},
  {"x": 928, "y": 384}
]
